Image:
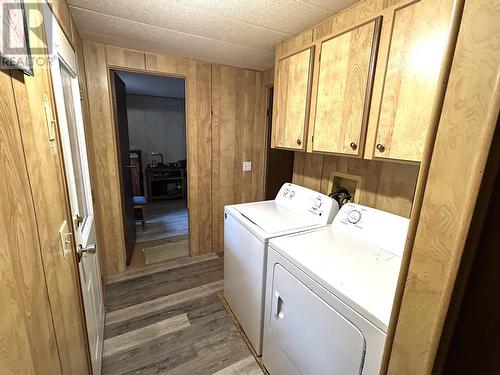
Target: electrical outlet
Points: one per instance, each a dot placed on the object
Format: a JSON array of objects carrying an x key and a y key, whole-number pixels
[{"x": 247, "y": 166}]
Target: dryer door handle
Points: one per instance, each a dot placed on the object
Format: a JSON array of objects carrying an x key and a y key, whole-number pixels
[{"x": 277, "y": 305}]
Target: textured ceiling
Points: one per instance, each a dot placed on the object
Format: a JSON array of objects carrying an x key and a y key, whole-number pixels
[
  {"x": 234, "y": 32},
  {"x": 145, "y": 84}
]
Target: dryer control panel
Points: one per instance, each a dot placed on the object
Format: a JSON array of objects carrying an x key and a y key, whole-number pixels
[
  {"x": 379, "y": 228},
  {"x": 310, "y": 202}
]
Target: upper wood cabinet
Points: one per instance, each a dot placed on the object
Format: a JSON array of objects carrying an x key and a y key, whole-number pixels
[
  {"x": 291, "y": 100},
  {"x": 376, "y": 86},
  {"x": 342, "y": 90},
  {"x": 408, "y": 79}
]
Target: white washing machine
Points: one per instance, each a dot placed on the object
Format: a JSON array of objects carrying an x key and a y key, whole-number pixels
[
  {"x": 247, "y": 230},
  {"x": 330, "y": 292}
]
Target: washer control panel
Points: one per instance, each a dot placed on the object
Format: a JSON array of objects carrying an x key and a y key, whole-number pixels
[
  {"x": 383, "y": 229},
  {"x": 310, "y": 202},
  {"x": 354, "y": 216}
]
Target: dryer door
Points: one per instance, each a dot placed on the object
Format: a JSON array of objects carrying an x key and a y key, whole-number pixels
[{"x": 313, "y": 335}]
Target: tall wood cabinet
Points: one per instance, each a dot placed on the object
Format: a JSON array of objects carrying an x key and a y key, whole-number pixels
[
  {"x": 369, "y": 89},
  {"x": 408, "y": 77}
]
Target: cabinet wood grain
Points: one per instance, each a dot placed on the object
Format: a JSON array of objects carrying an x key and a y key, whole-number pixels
[
  {"x": 410, "y": 75},
  {"x": 341, "y": 102},
  {"x": 292, "y": 100}
]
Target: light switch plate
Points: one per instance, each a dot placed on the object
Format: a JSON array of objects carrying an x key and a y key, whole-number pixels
[
  {"x": 247, "y": 166},
  {"x": 65, "y": 237}
]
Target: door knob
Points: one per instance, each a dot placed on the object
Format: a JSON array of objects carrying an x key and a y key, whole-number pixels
[
  {"x": 91, "y": 249},
  {"x": 381, "y": 147}
]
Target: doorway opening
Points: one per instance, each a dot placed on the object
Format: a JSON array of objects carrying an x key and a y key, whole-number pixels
[
  {"x": 150, "y": 120},
  {"x": 279, "y": 166}
]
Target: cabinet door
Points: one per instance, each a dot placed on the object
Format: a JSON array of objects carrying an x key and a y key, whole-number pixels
[
  {"x": 292, "y": 97},
  {"x": 344, "y": 89},
  {"x": 418, "y": 43}
]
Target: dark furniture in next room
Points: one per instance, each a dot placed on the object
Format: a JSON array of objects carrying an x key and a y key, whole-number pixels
[{"x": 166, "y": 183}]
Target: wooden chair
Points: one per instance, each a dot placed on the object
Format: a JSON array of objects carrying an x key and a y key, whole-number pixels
[{"x": 139, "y": 202}]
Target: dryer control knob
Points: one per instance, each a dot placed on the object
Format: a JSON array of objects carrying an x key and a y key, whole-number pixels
[{"x": 354, "y": 216}]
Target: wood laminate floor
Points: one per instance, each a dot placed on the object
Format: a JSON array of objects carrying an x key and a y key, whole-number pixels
[
  {"x": 168, "y": 319},
  {"x": 164, "y": 219}
]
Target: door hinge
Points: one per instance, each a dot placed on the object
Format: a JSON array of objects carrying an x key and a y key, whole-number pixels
[
  {"x": 268, "y": 112},
  {"x": 211, "y": 112},
  {"x": 312, "y": 139},
  {"x": 320, "y": 57}
]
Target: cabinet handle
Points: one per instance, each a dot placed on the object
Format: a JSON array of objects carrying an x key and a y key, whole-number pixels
[
  {"x": 353, "y": 145},
  {"x": 381, "y": 147},
  {"x": 299, "y": 142}
]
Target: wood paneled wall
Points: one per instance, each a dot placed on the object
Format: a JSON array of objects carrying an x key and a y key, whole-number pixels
[
  {"x": 64, "y": 19},
  {"x": 49, "y": 196},
  {"x": 42, "y": 328},
  {"x": 448, "y": 180},
  {"x": 200, "y": 162},
  {"x": 238, "y": 135},
  {"x": 26, "y": 329},
  {"x": 225, "y": 126},
  {"x": 467, "y": 124},
  {"x": 386, "y": 186},
  {"x": 107, "y": 195}
]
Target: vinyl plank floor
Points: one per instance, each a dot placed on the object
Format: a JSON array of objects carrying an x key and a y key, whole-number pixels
[
  {"x": 152, "y": 286},
  {"x": 164, "y": 219},
  {"x": 172, "y": 322}
]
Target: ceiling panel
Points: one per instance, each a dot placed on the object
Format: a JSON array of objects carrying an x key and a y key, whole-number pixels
[
  {"x": 234, "y": 32},
  {"x": 179, "y": 17},
  {"x": 284, "y": 15},
  {"x": 329, "y": 5},
  {"x": 134, "y": 35}
]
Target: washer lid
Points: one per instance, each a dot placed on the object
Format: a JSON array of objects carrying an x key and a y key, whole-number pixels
[
  {"x": 274, "y": 218},
  {"x": 360, "y": 274}
]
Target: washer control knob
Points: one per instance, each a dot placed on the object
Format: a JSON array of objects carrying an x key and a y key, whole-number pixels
[
  {"x": 316, "y": 203},
  {"x": 354, "y": 216}
]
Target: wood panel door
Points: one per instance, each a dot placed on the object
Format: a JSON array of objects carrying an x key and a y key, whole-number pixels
[
  {"x": 69, "y": 113},
  {"x": 417, "y": 42},
  {"x": 121, "y": 123},
  {"x": 342, "y": 98},
  {"x": 292, "y": 99}
]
